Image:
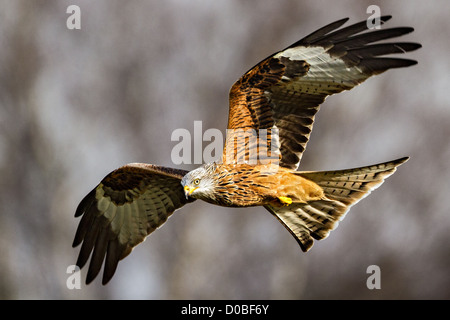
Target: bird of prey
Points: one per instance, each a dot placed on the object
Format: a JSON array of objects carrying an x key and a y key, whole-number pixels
[{"x": 279, "y": 97}]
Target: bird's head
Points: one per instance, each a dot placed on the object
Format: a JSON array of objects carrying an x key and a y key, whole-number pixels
[{"x": 200, "y": 183}]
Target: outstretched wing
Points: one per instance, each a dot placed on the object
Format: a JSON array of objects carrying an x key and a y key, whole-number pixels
[
  {"x": 127, "y": 205},
  {"x": 282, "y": 93}
]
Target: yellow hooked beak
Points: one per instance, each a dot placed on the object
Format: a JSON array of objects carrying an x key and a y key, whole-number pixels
[{"x": 188, "y": 190}]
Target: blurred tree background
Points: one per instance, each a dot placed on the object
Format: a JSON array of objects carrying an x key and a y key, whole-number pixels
[{"x": 76, "y": 104}]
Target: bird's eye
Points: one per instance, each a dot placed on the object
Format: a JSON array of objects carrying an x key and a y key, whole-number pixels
[{"x": 196, "y": 181}]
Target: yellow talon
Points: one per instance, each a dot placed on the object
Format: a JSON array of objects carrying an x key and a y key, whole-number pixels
[{"x": 285, "y": 200}]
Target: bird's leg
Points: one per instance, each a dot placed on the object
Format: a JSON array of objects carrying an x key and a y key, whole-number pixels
[{"x": 285, "y": 200}]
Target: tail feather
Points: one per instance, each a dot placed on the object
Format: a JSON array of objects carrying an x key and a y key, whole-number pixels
[{"x": 342, "y": 189}]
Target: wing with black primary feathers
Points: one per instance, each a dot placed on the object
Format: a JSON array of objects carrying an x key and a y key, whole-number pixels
[
  {"x": 285, "y": 90},
  {"x": 127, "y": 205},
  {"x": 280, "y": 95}
]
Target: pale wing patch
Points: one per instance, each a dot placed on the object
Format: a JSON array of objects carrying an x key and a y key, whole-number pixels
[
  {"x": 286, "y": 89},
  {"x": 326, "y": 73}
]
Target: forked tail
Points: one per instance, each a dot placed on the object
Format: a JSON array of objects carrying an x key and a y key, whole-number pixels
[{"x": 342, "y": 189}]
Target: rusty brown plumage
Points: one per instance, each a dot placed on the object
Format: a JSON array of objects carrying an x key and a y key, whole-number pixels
[
  {"x": 272, "y": 108},
  {"x": 285, "y": 90}
]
